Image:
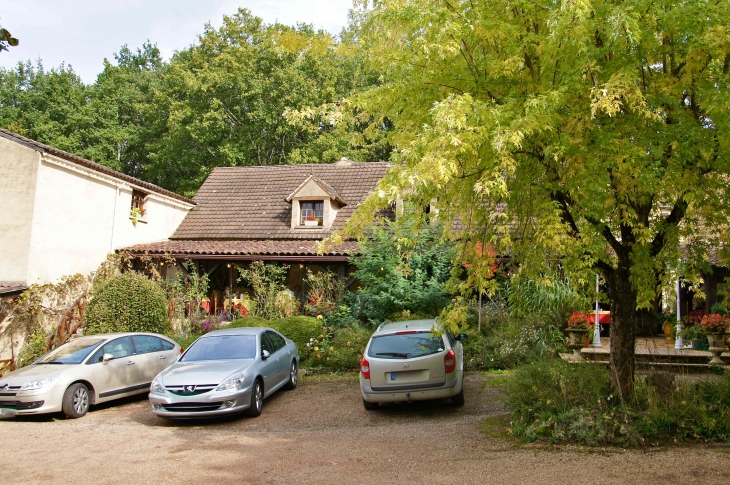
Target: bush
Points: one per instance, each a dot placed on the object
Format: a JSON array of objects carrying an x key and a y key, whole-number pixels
[
  {"x": 560, "y": 402},
  {"x": 347, "y": 346},
  {"x": 298, "y": 329},
  {"x": 129, "y": 302},
  {"x": 395, "y": 276}
]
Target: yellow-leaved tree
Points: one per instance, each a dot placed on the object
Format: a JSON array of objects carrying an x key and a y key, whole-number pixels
[{"x": 594, "y": 132}]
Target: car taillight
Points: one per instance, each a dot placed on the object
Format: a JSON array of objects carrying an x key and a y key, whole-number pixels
[
  {"x": 450, "y": 361},
  {"x": 365, "y": 368},
  {"x": 182, "y": 350}
]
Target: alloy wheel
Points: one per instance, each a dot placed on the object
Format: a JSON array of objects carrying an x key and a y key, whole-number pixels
[{"x": 81, "y": 400}]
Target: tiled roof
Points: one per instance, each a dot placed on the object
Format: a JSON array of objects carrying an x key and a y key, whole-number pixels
[
  {"x": 12, "y": 286},
  {"x": 240, "y": 248},
  {"x": 329, "y": 190},
  {"x": 89, "y": 164},
  {"x": 250, "y": 202}
]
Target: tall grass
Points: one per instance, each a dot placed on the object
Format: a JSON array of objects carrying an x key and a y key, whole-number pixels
[{"x": 562, "y": 402}]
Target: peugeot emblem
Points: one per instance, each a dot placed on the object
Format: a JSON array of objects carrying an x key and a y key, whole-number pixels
[
  {"x": 189, "y": 388},
  {"x": 405, "y": 365}
]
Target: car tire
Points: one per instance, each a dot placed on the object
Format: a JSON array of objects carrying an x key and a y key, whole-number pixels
[
  {"x": 76, "y": 401},
  {"x": 458, "y": 400},
  {"x": 257, "y": 399},
  {"x": 293, "y": 377},
  {"x": 369, "y": 406}
]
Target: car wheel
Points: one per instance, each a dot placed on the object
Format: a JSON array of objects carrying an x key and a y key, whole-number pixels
[
  {"x": 293, "y": 377},
  {"x": 369, "y": 406},
  {"x": 257, "y": 399},
  {"x": 76, "y": 401},
  {"x": 458, "y": 400}
]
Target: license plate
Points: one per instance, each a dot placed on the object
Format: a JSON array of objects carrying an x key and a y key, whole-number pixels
[{"x": 7, "y": 413}]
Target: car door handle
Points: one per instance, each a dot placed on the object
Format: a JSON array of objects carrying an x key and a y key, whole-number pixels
[
  {"x": 131, "y": 362},
  {"x": 162, "y": 357}
]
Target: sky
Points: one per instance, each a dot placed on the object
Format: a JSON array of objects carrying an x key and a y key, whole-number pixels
[{"x": 84, "y": 32}]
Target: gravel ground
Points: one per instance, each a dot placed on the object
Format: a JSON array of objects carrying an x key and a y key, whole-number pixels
[{"x": 320, "y": 433}]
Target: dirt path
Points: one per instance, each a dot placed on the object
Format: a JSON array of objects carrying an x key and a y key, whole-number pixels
[{"x": 320, "y": 433}]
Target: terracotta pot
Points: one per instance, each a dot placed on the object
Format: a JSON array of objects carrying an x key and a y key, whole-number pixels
[{"x": 668, "y": 332}]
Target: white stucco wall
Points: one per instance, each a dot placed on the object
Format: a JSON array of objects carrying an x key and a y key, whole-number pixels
[
  {"x": 82, "y": 215},
  {"x": 18, "y": 171}
]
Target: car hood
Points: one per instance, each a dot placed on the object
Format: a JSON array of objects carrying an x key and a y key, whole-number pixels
[
  {"x": 32, "y": 373},
  {"x": 202, "y": 372}
]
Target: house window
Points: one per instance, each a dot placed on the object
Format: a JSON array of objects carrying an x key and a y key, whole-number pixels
[
  {"x": 311, "y": 211},
  {"x": 138, "y": 203}
]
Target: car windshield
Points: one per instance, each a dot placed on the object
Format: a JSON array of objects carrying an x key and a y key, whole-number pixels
[
  {"x": 73, "y": 352},
  {"x": 405, "y": 345},
  {"x": 222, "y": 347}
]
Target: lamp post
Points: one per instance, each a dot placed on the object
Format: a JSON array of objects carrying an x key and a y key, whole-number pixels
[
  {"x": 597, "y": 330},
  {"x": 679, "y": 342}
]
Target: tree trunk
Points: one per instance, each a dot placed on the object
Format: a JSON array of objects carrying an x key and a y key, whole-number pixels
[{"x": 623, "y": 330}]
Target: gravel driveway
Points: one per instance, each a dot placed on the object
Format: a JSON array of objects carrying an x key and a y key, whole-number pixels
[{"x": 320, "y": 433}]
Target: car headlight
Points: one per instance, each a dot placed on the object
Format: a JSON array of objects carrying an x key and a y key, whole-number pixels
[
  {"x": 233, "y": 382},
  {"x": 40, "y": 383},
  {"x": 156, "y": 387}
]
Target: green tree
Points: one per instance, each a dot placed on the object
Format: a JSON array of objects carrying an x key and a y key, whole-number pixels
[
  {"x": 397, "y": 274},
  {"x": 47, "y": 106},
  {"x": 115, "y": 122},
  {"x": 594, "y": 132},
  {"x": 222, "y": 102}
]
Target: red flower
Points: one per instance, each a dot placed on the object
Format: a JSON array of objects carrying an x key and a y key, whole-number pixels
[
  {"x": 579, "y": 320},
  {"x": 715, "y": 323}
]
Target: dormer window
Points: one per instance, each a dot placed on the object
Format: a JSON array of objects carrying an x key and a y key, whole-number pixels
[
  {"x": 311, "y": 213},
  {"x": 314, "y": 204}
]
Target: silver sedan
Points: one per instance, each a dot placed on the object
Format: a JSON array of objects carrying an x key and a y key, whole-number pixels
[
  {"x": 225, "y": 372},
  {"x": 84, "y": 371}
]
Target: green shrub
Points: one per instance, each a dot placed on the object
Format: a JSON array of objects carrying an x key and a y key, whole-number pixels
[
  {"x": 129, "y": 302},
  {"x": 298, "y": 329},
  {"x": 564, "y": 402},
  {"x": 33, "y": 348},
  {"x": 347, "y": 346}
]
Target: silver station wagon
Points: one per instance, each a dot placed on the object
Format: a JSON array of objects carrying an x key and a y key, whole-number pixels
[
  {"x": 225, "y": 372},
  {"x": 406, "y": 361},
  {"x": 84, "y": 371}
]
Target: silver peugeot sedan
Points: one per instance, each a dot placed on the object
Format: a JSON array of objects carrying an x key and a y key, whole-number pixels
[
  {"x": 84, "y": 371},
  {"x": 412, "y": 361},
  {"x": 225, "y": 372}
]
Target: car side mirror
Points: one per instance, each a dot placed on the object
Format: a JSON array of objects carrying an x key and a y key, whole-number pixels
[
  {"x": 462, "y": 336},
  {"x": 106, "y": 358},
  {"x": 265, "y": 354}
]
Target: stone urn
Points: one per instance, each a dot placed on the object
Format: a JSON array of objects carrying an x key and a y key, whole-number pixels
[
  {"x": 576, "y": 336},
  {"x": 717, "y": 347}
]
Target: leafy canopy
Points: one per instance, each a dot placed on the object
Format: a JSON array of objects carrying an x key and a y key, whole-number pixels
[{"x": 594, "y": 132}]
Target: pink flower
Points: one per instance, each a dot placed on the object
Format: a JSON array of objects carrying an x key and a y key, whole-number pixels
[{"x": 348, "y": 344}]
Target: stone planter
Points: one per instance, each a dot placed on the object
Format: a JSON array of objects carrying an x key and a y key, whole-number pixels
[
  {"x": 717, "y": 347},
  {"x": 576, "y": 336}
]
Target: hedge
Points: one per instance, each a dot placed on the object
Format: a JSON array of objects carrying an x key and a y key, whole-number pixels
[{"x": 129, "y": 302}]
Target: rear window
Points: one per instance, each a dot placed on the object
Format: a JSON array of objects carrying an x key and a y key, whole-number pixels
[{"x": 405, "y": 346}]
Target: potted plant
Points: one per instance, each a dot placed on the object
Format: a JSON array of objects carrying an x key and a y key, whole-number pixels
[
  {"x": 310, "y": 220},
  {"x": 694, "y": 333},
  {"x": 716, "y": 327},
  {"x": 136, "y": 214},
  {"x": 579, "y": 328}
]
